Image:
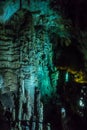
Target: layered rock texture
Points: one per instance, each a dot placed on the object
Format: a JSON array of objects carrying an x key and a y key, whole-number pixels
[
  {"x": 33, "y": 38},
  {"x": 26, "y": 64}
]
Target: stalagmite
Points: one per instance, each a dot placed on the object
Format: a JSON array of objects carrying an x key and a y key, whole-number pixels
[
  {"x": 41, "y": 117},
  {"x": 29, "y": 111},
  {"x": 38, "y": 102},
  {"x": 20, "y": 105},
  {"x": 33, "y": 123},
  {"x": 37, "y": 106},
  {"x": 39, "y": 109},
  {"x": 19, "y": 126},
  {"x": 13, "y": 114},
  {"x": 48, "y": 126},
  {"x": 64, "y": 119}
]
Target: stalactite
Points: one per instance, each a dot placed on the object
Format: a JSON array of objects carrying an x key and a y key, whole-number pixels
[
  {"x": 28, "y": 2},
  {"x": 20, "y": 4}
]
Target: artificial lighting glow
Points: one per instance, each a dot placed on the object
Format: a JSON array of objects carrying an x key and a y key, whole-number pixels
[
  {"x": 8, "y": 10},
  {"x": 81, "y": 103},
  {"x": 63, "y": 112},
  {"x": 67, "y": 77},
  {"x": 78, "y": 76}
]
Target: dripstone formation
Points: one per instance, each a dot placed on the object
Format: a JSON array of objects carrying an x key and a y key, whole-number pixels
[{"x": 25, "y": 64}]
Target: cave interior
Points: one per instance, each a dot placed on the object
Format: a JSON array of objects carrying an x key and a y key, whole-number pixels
[{"x": 43, "y": 65}]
